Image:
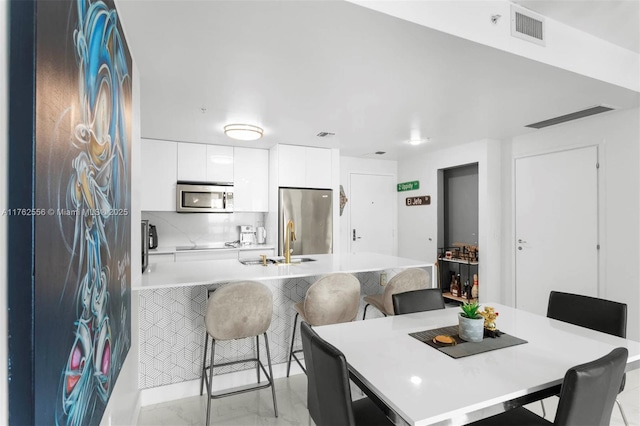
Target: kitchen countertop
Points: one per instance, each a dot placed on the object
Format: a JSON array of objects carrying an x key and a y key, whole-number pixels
[
  {"x": 204, "y": 272},
  {"x": 206, "y": 247}
]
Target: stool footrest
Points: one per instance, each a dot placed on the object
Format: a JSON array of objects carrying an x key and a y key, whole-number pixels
[{"x": 241, "y": 389}]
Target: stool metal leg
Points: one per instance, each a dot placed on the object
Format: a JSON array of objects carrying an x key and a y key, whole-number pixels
[
  {"x": 204, "y": 362},
  {"x": 293, "y": 338},
  {"x": 365, "y": 311},
  {"x": 210, "y": 387},
  {"x": 273, "y": 387},
  {"x": 258, "y": 357}
]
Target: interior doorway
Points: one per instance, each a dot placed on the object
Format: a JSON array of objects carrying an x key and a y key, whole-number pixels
[
  {"x": 457, "y": 219},
  {"x": 556, "y": 226},
  {"x": 373, "y": 214}
]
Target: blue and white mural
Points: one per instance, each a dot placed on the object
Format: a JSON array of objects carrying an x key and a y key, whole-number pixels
[{"x": 83, "y": 199}]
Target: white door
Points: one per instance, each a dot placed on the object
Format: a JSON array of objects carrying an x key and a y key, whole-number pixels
[
  {"x": 556, "y": 226},
  {"x": 373, "y": 213}
]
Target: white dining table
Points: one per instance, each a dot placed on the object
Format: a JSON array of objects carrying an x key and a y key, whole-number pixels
[{"x": 423, "y": 386}]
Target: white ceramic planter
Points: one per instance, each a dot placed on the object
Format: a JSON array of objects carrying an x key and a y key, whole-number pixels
[{"x": 470, "y": 330}]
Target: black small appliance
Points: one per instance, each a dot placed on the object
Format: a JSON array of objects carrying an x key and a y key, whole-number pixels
[{"x": 153, "y": 237}]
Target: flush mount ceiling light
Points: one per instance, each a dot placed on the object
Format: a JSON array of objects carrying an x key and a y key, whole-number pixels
[
  {"x": 415, "y": 142},
  {"x": 243, "y": 132}
]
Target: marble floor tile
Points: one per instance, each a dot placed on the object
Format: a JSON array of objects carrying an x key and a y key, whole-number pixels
[{"x": 256, "y": 408}]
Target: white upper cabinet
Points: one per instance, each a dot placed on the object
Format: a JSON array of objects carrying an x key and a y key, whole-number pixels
[
  {"x": 304, "y": 167},
  {"x": 318, "y": 167},
  {"x": 159, "y": 170},
  {"x": 251, "y": 185},
  {"x": 205, "y": 163},
  {"x": 220, "y": 164}
]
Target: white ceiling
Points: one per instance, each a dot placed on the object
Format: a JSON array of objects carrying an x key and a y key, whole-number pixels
[
  {"x": 297, "y": 68},
  {"x": 616, "y": 21}
]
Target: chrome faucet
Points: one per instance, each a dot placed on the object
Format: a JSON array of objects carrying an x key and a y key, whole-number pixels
[{"x": 289, "y": 235}]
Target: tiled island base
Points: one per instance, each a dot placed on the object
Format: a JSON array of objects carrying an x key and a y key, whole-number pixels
[{"x": 171, "y": 326}]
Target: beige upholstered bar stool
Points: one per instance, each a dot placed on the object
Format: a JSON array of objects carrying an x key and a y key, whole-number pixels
[
  {"x": 332, "y": 299},
  {"x": 237, "y": 311},
  {"x": 407, "y": 280}
]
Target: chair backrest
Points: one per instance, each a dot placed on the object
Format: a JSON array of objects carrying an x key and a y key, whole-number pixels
[
  {"x": 589, "y": 391},
  {"x": 407, "y": 280},
  {"x": 332, "y": 299},
  {"x": 328, "y": 393},
  {"x": 238, "y": 310},
  {"x": 597, "y": 314},
  {"x": 426, "y": 299}
]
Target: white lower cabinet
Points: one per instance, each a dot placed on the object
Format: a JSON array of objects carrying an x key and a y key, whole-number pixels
[
  {"x": 189, "y": 256},
  {"x": 161, "y": 257}
]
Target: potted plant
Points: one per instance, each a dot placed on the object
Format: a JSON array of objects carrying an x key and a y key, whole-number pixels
[{"x": 470, "y": 323}]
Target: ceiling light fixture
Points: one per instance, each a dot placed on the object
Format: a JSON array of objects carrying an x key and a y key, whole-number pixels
[
  {"x": 243, "y": 132},
  {"x": 415, "y": 142}
]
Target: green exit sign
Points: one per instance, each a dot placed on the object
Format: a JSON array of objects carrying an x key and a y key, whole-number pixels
[{"x": 408, "y": 186}]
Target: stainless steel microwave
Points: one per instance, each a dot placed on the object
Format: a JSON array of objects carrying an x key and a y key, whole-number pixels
[{"x": 195, "y": 197}]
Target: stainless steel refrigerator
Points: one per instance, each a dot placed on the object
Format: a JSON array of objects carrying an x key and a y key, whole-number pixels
[{"x": 311, "y": 211}]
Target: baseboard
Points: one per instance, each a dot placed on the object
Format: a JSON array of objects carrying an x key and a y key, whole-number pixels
[{"x": 191, "y": 388}]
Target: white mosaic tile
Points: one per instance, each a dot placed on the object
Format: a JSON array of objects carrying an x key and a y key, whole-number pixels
[{"x": 172, "y": 329}]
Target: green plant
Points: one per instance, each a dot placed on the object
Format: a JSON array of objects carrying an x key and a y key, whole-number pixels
[{"x": 470, "y": 310}]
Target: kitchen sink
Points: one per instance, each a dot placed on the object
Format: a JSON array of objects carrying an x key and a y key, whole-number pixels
[
  {"x": 279, "y": 261},
  {"x": 257, "y": 261}
]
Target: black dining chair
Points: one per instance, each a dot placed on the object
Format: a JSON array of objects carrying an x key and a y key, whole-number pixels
[
  {"x": 426, "y": 299},
  {"x": 329, "y": 394},
  {"x": 597, "y": 314},
  {"x": 587, "y": 396}
]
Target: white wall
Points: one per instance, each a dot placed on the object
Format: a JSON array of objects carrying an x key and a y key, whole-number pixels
[
  {"x": 124, "y": 404},
  {"x": 418, "y": 226},
  {"x": 350, "y": 165},
  {"x": 566, "y": 47},
  {"x": 617, "y": 134},
  {"x": 4, "y": 99}
]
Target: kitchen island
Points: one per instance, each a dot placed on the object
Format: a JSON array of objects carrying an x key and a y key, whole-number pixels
[{"x": 173, "y": 299}]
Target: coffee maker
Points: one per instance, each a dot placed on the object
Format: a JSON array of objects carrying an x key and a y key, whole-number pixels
[{"x": 247, "y": 235}]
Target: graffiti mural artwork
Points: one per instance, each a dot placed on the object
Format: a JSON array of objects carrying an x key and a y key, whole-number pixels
[{"x": 83, "y": 199}]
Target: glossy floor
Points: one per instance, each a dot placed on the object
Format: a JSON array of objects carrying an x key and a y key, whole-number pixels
[{"x": 256, "y": 408}]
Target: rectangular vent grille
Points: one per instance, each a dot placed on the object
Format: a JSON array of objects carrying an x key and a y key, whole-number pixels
[
  {"x": 568, "y": 117},
  {"x": 527, "y": 25}
]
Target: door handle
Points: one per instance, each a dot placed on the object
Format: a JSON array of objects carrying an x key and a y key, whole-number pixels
[
  {"x": 354, "y": 235},
  {"x": 521, "y": 241}
]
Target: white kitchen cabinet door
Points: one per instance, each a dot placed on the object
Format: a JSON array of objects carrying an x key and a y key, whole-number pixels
[
  {"x": 318, "y": 167},
  {"x": 196, "y": 255},
  {"x": 192, "y": 162},
  {"x": 159, "y": 171},
  {"x": 219, "y": 167},
  {"x": 292, "y": 162},
  {"x": 161, "y": 258},
  {"x": 304, "y": 167},
  {"x": 251, "y": 180}
]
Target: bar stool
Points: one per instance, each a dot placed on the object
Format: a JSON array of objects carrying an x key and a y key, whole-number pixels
[
  {"x": 237, "y": 311},
  {"x": 332, "y": 299},
  {"x": 407, "y": 280}
]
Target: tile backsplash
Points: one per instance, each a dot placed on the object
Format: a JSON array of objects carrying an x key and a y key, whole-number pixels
[{"x": 180, "y": 229}]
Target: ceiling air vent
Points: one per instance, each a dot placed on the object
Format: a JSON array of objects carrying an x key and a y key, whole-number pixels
[
  {"x": 325, "y": 134},
  {"x": 568, "y": 117},
  {"x": 527, "y": 25}
]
